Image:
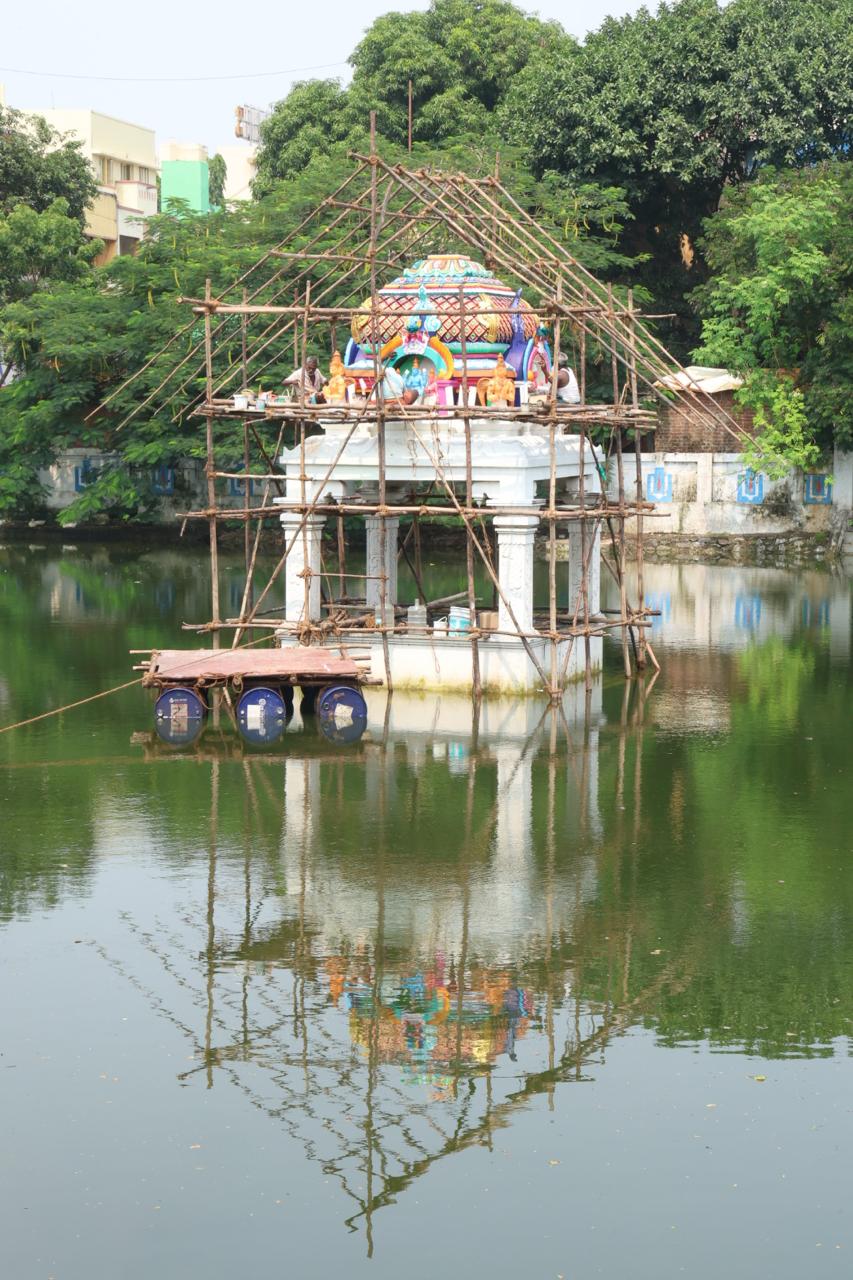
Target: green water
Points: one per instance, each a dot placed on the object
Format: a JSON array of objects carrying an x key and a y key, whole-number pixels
[{"x": 543, "y": 996}]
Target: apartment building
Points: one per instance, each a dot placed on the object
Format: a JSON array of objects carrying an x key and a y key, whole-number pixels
[{"x": 124, "y": 158}]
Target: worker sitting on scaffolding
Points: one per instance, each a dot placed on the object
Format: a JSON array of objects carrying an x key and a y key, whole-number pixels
[
  {"x": 311, "y": 379},
  {"x": 567, "y": 384},
  {"x": 392, "y": 387}
]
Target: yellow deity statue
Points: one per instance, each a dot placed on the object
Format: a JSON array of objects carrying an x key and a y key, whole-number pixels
[
  {"x": 336, "y": 387},
  {"x": 500, "y": 388}
]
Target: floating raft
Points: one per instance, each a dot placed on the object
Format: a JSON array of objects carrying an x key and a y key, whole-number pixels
[{"x": 296, "y": 665}]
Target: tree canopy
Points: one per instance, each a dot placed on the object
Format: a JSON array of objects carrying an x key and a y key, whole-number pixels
[
  {"x": 39, "y": 165},
  {"x": 460, "y": 55},
  {"x": 680, "y": 105},
  {"x": 778, "y": 307}
]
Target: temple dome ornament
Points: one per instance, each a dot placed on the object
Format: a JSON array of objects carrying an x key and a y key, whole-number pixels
[{"x": 421, "y": 319}]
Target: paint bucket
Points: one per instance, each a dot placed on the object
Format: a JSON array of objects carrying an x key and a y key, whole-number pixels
[
  {"x": 241, "y": 402},
  {"x": 459, "y": 619}
]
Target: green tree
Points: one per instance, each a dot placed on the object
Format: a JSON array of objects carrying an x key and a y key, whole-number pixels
[
  {"x": 39, "y": 165},
  {"x": 778, "y": 306},
  {"x": 310, "y": 121},
  {"x": 39, "y": 247},
  {"x": 460, "y": 55},
  {"x": 217, "y": 171},
  {"x": 678, "y": 106}
]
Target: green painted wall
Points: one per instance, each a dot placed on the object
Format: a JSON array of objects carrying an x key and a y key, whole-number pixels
[{"x": 185, "y": 180}]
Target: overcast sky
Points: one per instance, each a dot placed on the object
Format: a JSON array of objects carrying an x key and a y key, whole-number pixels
[{"x": 233, "y": 42}]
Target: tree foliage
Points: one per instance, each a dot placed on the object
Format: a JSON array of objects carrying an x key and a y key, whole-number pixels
[
  {"x": 679, "y": 105},
  {"x": 217, "y": 173},
  {"x": 39, "y": 247},
  {"x": 39, "y": 165},
  {"x": 460, "y": 55},
  {"x": 778, "y": 306}
]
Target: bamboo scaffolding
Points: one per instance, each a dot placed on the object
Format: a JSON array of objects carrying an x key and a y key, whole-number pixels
[{"x": 386, "y": 210}]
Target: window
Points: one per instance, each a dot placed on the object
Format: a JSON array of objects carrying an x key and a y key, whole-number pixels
[
  {"x": 144, "y": 174},
  {"x": 106, "y": 167},
  {"x": 126, "y": 172}
]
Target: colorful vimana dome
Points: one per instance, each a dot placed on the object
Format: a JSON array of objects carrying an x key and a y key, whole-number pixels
[{"x": 419, "y": 325}]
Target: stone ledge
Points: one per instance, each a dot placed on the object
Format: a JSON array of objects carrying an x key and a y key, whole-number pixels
[{"x": 777, "y": 550}]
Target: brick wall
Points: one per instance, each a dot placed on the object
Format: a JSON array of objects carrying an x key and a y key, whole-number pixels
[{"x": 679, "y": 432}]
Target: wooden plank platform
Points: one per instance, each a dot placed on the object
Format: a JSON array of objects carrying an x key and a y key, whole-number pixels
[{"x": 297, "y": 664}]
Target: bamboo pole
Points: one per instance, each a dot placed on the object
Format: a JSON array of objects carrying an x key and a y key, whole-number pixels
[
  {"x": 635, "y": 401},
  {"x": 620, "y": 473},
  {"x": 210, "y": 468},
  {"x": 306, "y": 564},
  {"x": 469, "y": 499},
  {"x": 552, "y": 504},
  {"x": 380, "y": 401}
]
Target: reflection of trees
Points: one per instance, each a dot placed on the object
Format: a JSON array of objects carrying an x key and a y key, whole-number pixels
[
  {"x": 741, "y": 864},
  {"x": 776, "y": 675}
]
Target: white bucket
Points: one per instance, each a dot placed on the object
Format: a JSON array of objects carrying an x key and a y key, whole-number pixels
[
  {"x": 241, "y": 402},
  {"x": 459, "y": 619}
]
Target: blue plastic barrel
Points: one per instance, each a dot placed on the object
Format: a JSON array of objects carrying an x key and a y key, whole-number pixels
[
  {"x": 341, "y": 713},
  {"x": 261, "y": 716},
  {"x": 179, "y": 716}
]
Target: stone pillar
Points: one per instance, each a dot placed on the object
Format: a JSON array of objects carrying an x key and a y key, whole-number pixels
[
  {"x": 704, "y": 479},
  {"x": 593, "y": 576},
  {"x": 515, "y": 569},
  {"x": 297, "y": 561},
  {"x": 373, "y": 567}
]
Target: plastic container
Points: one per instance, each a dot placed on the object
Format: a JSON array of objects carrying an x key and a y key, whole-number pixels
[
  {"x": 416, "y": 617},
  {"x": 389, "y": 616},
  {"x": 488, "y": 619},
  {"x": 459, "y": 619},
  {"x": 241, "y": 402},
  {"x": 439, "y": 627}
]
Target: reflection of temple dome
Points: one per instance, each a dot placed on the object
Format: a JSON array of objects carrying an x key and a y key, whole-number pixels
[{"x": 419, "y": 301}]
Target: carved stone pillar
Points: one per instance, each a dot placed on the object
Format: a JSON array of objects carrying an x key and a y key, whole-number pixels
[
  {"x": 515, "y": 569},
  {"x": 374, "y": 566},
  {"x": 593, "y": 573},
  {"x": 305, "y": 553}
]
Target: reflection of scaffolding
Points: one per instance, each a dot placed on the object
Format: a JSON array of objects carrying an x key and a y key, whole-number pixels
[
  {"x": 258, "y": 1006},
  {"x": 297, "y": 296}
]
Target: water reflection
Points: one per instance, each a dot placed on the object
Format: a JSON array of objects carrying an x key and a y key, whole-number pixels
[
  {"x": 459, "y": 914},
  {"x": 391, "y": 949}
]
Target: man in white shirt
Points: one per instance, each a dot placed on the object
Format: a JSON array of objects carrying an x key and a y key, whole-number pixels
[{"x": 312, "y": 381}]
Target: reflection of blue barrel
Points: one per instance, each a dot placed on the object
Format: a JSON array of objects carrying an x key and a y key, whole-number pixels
[
  {"x": 261, "y": 716},
  {"x": 179, "y": 716},
  {"x": 341, "y": 713}
]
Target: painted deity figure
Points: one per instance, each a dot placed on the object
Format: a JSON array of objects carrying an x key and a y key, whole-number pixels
[
  {"x": 500, "y": 387},
  {"x": 336, "y": 387},
  {"x": 430, "y": 394},
  {"x": 416, "y": 378},
  {"x": 539, "y": 366}
]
